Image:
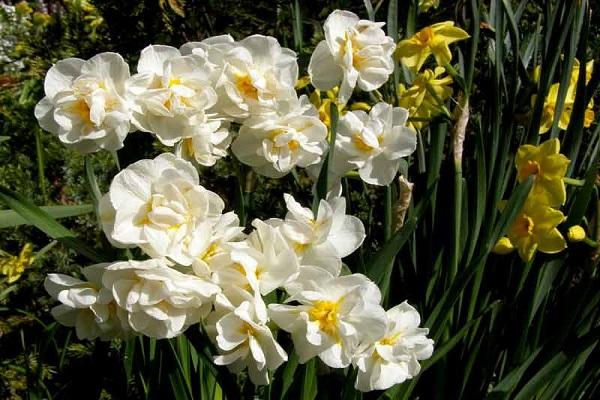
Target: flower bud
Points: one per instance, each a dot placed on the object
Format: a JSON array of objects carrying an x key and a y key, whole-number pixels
[
  {"x": 503, "y": 246},
  {"x": 576, "y": 233}
]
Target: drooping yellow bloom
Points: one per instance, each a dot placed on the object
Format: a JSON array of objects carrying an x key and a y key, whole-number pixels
[
  {"x": 434, "y": 39},
  {"x": 549, "y": 168},
  {"x": 425, "y": 98},
  {"x": 425, "y": 5},
  {"x": 14, "y": 266},
  {"x": 535, "y": 229},
  {"x": 323, "y": 105}
]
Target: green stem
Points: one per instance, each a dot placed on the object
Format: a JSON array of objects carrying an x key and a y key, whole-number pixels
[{"x": 574, "y": 182}]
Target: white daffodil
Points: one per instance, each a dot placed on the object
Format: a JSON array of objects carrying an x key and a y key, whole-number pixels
[
  {"x": 322, "y": 240},
  {"x": 211, "y": 244},
  {"x": 86, "y": 305},
  {"x": 171, "y": 94},
  {"x": 212, "y": 52},
  {"x": 209, "y": 143},
  {"x": 256, "y": 73},
  {"x": 245, "y": 341},
  {"x": 84, "y": 103},
  {"x": 275, "y": 143},
  {"x": 156, "y": 205},
  {"x": 354, "y": 52},
  {"x": 374, "y": 143},
  {"x": 332, "y": 318},
  {"x": 160, "y": 301},
  {"x": 267, "y": 262},
  {"x": 395, "y": 356}
]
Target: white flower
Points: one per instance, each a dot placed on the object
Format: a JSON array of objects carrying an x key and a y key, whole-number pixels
[
  {"x": 170, "y": 94},
  {"x": 156, "y": 205},
  {"x": 395, "y": 357},
  {"x": 322, "y": 240},
  {"x": 86, "y": 305},
  {"x": 256, "y": 73},
  {"x": 209, "y": 143},
  {"x": 84, "y": 103},
  {"x": 212, "y": 52},
  {"x": 374, "y": 143},
  {"x": 160, "y": 301},
  {"x": 354, "y": 52},
  {"x": 211, "y": 244},
  {"x": 275, "y": 143},
  {"x": 245, "y": 341},
  {"x": 267, "y": 262},
  {"x": 332, "y": 318}
]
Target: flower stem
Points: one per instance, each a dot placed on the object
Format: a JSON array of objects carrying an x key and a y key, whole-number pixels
[{"x": 573, "y": 182}]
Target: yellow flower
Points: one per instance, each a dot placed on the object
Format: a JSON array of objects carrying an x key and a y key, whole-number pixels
[
  {"x": 425, "y": 98},
  {"x": 434, "y": 39},
  {"x": 535, "y": 229},
  {"x": 576, "y": 233},
  {"x": 503, "y": 246},
  {"x": 549, "y": 109},
  {"x": 549, "y": 168},
  {"x": 425, "y": 5},
  {"x": 14, "y": 266},
  {"x": 323, "y": 105},
  {"x": 302, "y": 82},
  {"x": 23, "y": 8}
]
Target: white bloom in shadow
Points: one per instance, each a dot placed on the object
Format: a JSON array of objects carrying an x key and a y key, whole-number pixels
[
  {"x": 87, "y": 305},
  {"x": 354, "y": 52},
  {"x": 395, "y": 356},
  {"x": 84, "y": 103}
]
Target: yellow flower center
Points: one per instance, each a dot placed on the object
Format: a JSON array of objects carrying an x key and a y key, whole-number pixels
[
  {"x": 523, "y": 225},
  {"x": 391, "y": 340},
  {"x": 245, "y": 87},
  {"x": 82, "y": 110},
  {"x": 210, "y": 252},
  {"x": 425, "y": 36},
  {"x": 300, "y": 247},
  {"x": 530, "y": 168},
  {"x": 326, "y": 314},
  {"x": 174, "y": 81},
  {"x": 360, "y": 144}
]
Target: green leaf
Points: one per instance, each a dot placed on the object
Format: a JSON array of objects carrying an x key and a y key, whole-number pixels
[
  {"x": 44, "y": 221},
  {"x": 10, "y": 219},
  {"x": 4, "y": 138},
  {"x": 512, "y": 379},
  {"x": 309, "y": 381}
]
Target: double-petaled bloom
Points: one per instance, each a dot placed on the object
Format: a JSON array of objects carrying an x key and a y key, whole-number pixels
[
  {"x": 394, "y": 357},
  {"x": 157, "y": 205},
  {"x": 171, "y": 95},
  {"x": 85, "y": 104},
  {"x": 354, "y": 53},
  {"x": 374, "y": 143},
  {"x": 87, "y": 305},
  {"x": 330, "y": 318},
  {"x": 273, "y": 144},
  {"x": 159, "y": 301}
]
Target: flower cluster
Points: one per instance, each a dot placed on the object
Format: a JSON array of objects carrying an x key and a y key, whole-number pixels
[
  {"x": 426, "y": 96},
  {"x": 550, "y": 102},
  {"x": 204, "y": 100},
  {"x": 535, "y": 228}
]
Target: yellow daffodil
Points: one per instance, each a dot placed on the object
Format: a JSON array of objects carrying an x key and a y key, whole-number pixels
[
  {"x": 425, "y": 98},
  {"x": 14, "y": 266},
  {"x": 549, "y": 168},
  {"x": 425, "y": 5},
  {"x": 576, "y": 233},
  {"x": 535, "y": 229},
  {"x": 434, "y": 39},
  {"x": 323, "y": 104},
  {"x": 549, "y": 109}
]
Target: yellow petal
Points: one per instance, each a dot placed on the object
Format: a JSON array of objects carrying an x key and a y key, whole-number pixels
[
  {"x": 527, "y": 247},
  {"x": 442, "y": 53},
  {"x": 503, "y": 246},
  {"x": 551, "y": 242},
  {"x": 448, "y": 33},
  {"x": 552, "y": 191},
  {"x": 412, "y": 54},
  {"x": 554, "y": 165},
  {"x": 549, "y": 147},
  {"x": 576, "y": 233}
]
